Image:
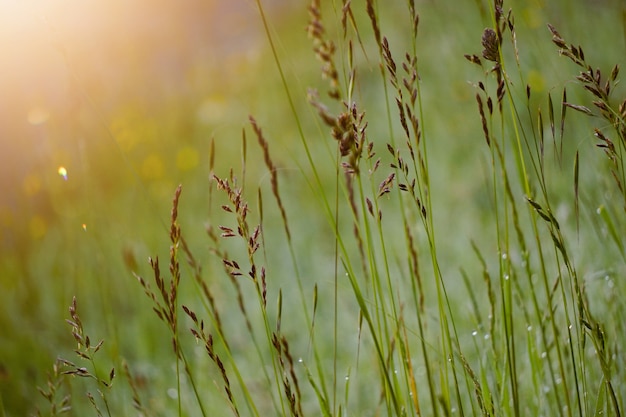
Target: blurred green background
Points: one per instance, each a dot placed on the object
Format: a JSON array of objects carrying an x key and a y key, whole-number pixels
[{"x": 106, "y": 106}]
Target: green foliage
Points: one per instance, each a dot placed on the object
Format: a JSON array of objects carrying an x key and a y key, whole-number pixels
[{"x": 434, "y": 228}]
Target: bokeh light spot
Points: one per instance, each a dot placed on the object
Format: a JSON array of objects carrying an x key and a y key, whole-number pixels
[
  {"x": 84, "y": 227},
  {"x": 31, "y": 185},
  {"x": 6, "y": 216},
  {"x": 532, "y": 15},
  {"x": 211, "y": 110},
  {"x": 152, "y": 167},
  {"x": 37, "y": 227},
  {"x": 536, "y": 81},
  {"x": 131, "y": 128},
  {"x": 62, "y": 172},
  {"x": 37, "y": 116},
  {"x": 187, "y": 158}
]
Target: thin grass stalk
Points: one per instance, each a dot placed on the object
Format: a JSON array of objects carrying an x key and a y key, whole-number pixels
[
  {"x": 175, "y": 235},
  {"x": 213, "y": 314},
  {"x": 372, "y": 328},
  {"x": 2, "y": 411},
  {"x": 503, "y": 239},
  {"x": 292, "y": 106},
  {"x": 412, "y": 264},
  {"x": 243, "y": 226},
  {"x": 414, "y": 90},
  {"x": 423, "y": 185},
  {"x": 504, "y": 262},
  {"x": 525, "y": 183},
  {"x": 222, "y": 255},
  {"x": 389, "y": 294},
  {"x": 540, "y": 173},
  {"x": 525, "y": 258},
  {"x": 317, "y": 181},
  {"x": 423, "y": 176},
  {"x": 591, "y": 80},
  {"x": 377, "y": 289},
  {"x": 167, "y": 308},
  {"x": 316, "y": 32},
  {"x": 336, "y": 282},
  {"x": 372, "y": 9},
  {"x": 378, "y": 294},
  {"x": 240, "y": 210},
  {"x": 275, "y": 192}
]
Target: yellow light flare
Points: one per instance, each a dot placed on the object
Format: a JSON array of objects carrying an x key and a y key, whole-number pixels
[
  {"x": 37, "y": 116},
  {"x": 62, "y": 172},
  {"x": 84, "y": 227}
]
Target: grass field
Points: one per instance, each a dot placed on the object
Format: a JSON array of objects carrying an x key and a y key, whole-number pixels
[{"x": 408, "y": 208}]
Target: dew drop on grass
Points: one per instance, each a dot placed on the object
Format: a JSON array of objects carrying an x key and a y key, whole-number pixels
[
  {"x": 300, "y": 360},
  {"x": 172, "y": 393},
  {"x": 487, "y": 336},
  {"x": 506, "y": 277},
  {"x": 529, "y": 328},
  {"x": 504, "y": 256},
  {"x": 474, "y": 333},
  {"x": 544, "y": 355},
  {"x": 347, "y": 377}
]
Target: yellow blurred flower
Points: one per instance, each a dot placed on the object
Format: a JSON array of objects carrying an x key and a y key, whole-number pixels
[
  {"x": 31, "y": 185},
  {"x": 131, "y": 128},
  {"x": 536, "y": 81},
  {"x": 6, "y": 216},
  {"x": 533, "y": 14},
  {"x": 37, "y": 227},
  {"x": 212, "y": 109},
  {"x": 152, "y": 167},
  {"x": 187, "y": 158}
]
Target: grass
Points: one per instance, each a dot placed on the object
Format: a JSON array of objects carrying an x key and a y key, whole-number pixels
[{"x": 389, "y": 240}]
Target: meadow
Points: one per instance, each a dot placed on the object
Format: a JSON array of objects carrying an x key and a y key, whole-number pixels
[{"x": 344, "y": 209}]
